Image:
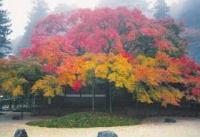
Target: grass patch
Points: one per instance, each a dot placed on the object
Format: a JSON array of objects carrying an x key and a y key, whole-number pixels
[{"x": 86, "y": 120}]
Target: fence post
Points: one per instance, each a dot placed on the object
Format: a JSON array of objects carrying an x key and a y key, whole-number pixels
[
  {"x": 93, "y": 96},
  {"x": 110, "y": 98}
]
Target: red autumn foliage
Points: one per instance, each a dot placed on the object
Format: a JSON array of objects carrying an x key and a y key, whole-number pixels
[
  {"x": 196, "y": 92},
  {"x": 101, "y": 30},
  {"x": 163, "y": 44},
  {"x": 76, "y": 86},
  {"x": 49, "y": 68},
  {"x": 26, "y": 53},
  {"x": 59, "y": 41}
]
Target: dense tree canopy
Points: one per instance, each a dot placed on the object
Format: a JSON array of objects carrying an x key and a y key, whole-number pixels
[
  {"x": 18, "y": 75},
  {"x": 121, "y": 47},
  {"x": 111, "y": 31}
]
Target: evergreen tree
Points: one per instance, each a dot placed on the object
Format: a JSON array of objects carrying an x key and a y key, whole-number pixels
[
  {"x": 190, "y": 14},
  {"x": 39, "y": 11},
  {"x": 161, "y": 9},
  {"x": 4, "y": 31},
  {"x": 63, "y": 8},
  {"x": 140, "y": 4}
]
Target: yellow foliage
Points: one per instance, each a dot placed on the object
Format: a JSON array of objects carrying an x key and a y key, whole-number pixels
[
  {"x": 155, "y": 71},
  {"x": 18, "y": 91},
  {"x": 141, "y": 94},
  {"x": 14, "y": 86},
  {"x": 147, "y": 71},
  {"x": 102, "y": 70},
  {"x": 7, "y": 85},
  {"x": 144, "y": 97},
  {"x": 121, "y": 73},
  {"x": 167, "y": 95},
  {"x": 48, "y": 85},
  {"x": 113, "y": 68}
]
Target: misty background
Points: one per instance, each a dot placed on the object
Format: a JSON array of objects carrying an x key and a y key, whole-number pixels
[{"x": 26, "y": 13}]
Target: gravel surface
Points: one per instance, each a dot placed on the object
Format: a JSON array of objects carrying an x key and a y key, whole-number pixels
[{"x": 151, "y": 127}]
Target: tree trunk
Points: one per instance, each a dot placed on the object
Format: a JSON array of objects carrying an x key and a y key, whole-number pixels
[
  {"x": 110, "y": 98},
  {"x": 49, "y": 101},
  {"x": 93, "y": 97},
  {"x": 10, "y": 104},
  {"x": 22, "y": 107}
]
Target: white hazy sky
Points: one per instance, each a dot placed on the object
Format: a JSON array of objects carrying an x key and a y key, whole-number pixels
[{"x": 19, "y": 10}]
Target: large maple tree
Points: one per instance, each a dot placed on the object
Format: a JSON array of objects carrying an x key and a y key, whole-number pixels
[{"x": 142, "y": 55}]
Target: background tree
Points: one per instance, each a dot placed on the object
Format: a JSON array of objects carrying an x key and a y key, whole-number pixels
[
  {"x": 161, "y": 9},
  {"x": 189, "y": 14},
  {"x": 39, "y": 11},
  {"x": 17, "y": 76},
  {"x": 4, "y": 31},
  {"x": 140, "y": 4},
  {"x": 15, "y": 43},
  {"x": 63, "y": 8}
]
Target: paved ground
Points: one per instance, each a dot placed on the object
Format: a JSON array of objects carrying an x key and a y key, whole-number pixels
[{"x": 152, "y": 127}]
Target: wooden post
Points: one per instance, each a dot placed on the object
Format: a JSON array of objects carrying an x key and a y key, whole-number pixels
[
  {"x": 33, "y": 103},
  {"x": 93, "y": 96},
  {"x": 49, "y": 101},
  {"x": 10, "y": 104},
  {"x": 22, "y": 107},
  {"x": 110, "y": 98}
]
